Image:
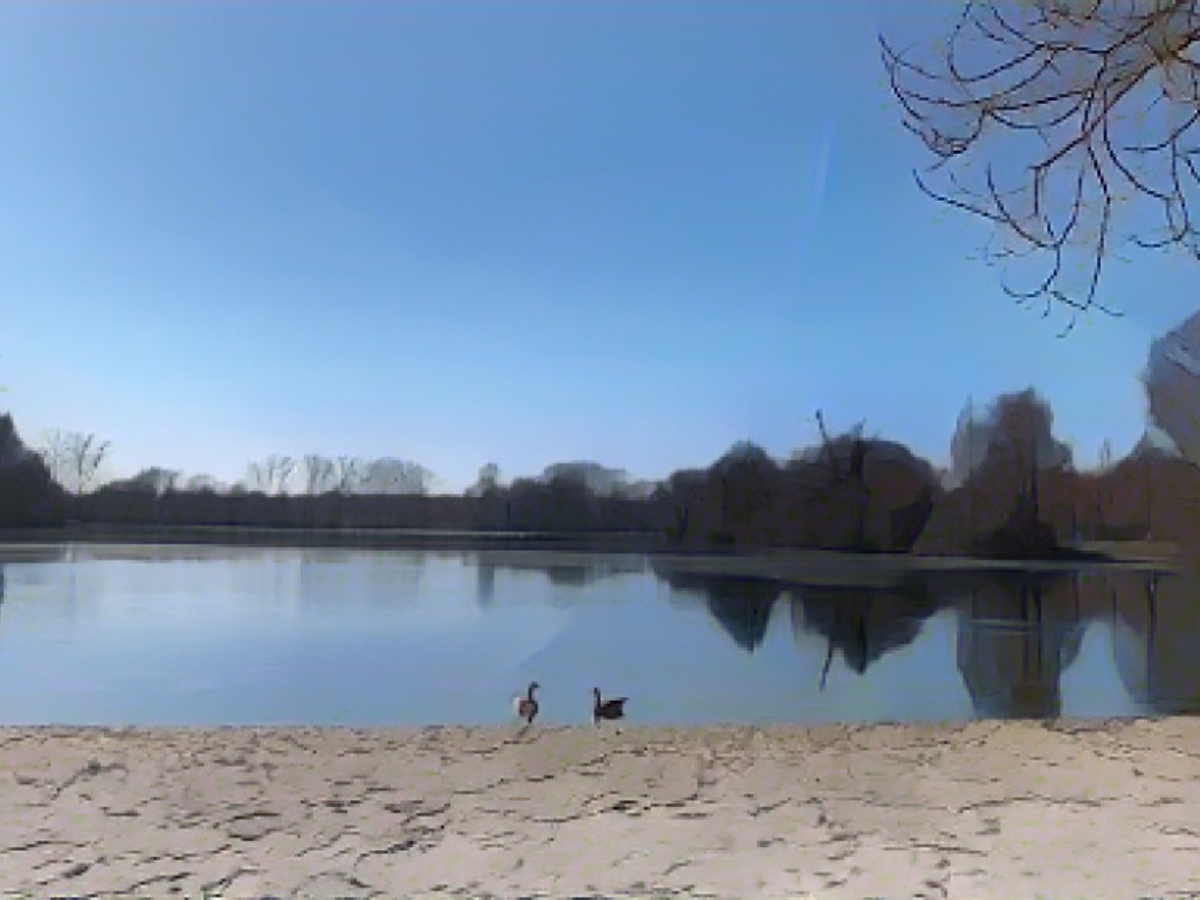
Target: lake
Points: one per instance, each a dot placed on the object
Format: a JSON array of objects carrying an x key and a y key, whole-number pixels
[{"x": 94, "y": 634}]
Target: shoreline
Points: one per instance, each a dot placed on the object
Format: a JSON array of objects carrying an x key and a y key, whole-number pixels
[
  {"x": 984, "y": 809},
  {"x": 779, "y": 563}
]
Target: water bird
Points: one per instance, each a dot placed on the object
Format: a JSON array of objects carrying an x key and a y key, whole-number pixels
[
  {"x": 607, "y": 709},
  {"x": 526, "y": 707}
]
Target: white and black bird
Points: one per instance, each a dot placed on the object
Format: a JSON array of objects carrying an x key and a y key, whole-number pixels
[
  {"x": 526, "y": 707},
  {"x": 612, "y": 709}
]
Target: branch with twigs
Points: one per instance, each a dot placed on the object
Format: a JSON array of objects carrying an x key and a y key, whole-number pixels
[{"x": 1065, "y": 78}]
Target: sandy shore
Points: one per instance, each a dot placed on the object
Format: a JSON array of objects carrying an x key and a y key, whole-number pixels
[{"x": 983, "y": 810}]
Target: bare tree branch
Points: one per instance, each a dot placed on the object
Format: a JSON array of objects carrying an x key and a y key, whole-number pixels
[
  {"x": 270, "y": 476},
  {"x": 319, "y": 473},
  {"x": 1052, "y": 89},
  {"x": 74, "y": 458}
]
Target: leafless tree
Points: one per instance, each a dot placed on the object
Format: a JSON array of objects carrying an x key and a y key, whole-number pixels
[
  {"x": 319, "y": 473},
  {"x": 74, "y": 458},
  {"x": 1103, "y": 486},
  {"x": 488, "y": 481},
  {"x": 395, "y": 476},
  {"x": 271, "y": 475},
  {"x": 1078, "y": 108},
  {"x": 349, "y": 474}
]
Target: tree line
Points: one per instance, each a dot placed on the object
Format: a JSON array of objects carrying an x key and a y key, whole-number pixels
[{"x": 1011, "y": 489}]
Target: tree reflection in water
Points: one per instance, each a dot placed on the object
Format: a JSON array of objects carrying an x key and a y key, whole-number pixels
[
  {"x": 742, "y": 606},
  {"x": 862, "y": 623},
  {"x": 1155, "y": 640},
  {"x": 1017, "y": 634}
]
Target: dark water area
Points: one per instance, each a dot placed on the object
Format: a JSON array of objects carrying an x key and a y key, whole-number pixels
[{"x": 210, "y": 635}]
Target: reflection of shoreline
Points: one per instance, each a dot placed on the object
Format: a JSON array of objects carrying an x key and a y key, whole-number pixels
[{"x": 1018, "y": 633}]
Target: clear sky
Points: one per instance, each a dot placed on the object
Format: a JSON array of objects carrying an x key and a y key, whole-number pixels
[{"x": 630, "y": 232}]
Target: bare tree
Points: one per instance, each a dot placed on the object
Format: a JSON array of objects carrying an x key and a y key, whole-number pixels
[
  {"x": 968, "y": 447},
  {"x": 271, "y": 475},
  {"x": 319, "y": 473},
  {"x": 487, "y": 483},
  {"x": 1103, "y": 486},
  {"x": 349, "y": 474},
  {"x": 395, "y": 476},
  {"x": 74, "y": 458},
  {"x": 1083, "y": 105}
]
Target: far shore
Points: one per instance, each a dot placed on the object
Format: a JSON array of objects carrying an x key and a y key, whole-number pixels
[{"x": 781, "y": 563}]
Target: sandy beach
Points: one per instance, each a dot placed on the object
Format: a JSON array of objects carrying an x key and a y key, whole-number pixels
[{"x": 981, "y": 810}]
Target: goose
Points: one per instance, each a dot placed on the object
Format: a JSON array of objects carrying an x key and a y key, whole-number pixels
[
  {"x": 526, "y": 707},
  {"x": 607, "y": 709}
]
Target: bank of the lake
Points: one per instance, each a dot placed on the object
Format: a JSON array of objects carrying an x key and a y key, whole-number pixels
[
  {"x": 780, "y": 563},
  {"x": 983, "y": 810}
]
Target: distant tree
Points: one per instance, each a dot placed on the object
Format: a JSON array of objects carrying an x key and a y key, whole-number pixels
[
  {"x": 203, "y": 484},
  {"x": 1172, "y": 385},
  {"x": 1046, "y": 118},
  {"x": 319, "y": 473},
  {"x": 395, "y": 476},
  {"x": 598, "y": 479},
  {"x": 637, "y": 490},
  {"x": 74, "y": 458},
  {"x": 349, "y": 474},
  {"x": 968, "y": 447},
  {"x": 745, "y": 480},
  {"x": 271, "y": 475},
  {"x": 1103, "y": 487},
  {"x": 1016, "y": 432},
  {"x": 487, "y": 483},
  {"x": 154, "y": 479},
  {"x": 28, "y": 493},
  {"x": 1020, "y": 447},
  {"x": 681, "y": 496},
  {"x": 840, "y": 465}
]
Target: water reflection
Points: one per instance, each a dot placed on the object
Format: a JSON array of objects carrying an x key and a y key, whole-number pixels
[
  {"x": 741, "y": 606},
  {"x": 263, "y": 634},
  {"x": 1156, "y": 633},
  {"x": 485, "y": 583},
  {"x": 862, "y": 623},
  {"x": 1017, "y": 634}
]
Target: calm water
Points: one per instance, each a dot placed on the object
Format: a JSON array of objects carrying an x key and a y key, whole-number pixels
[{"x": 209, "y": 635}]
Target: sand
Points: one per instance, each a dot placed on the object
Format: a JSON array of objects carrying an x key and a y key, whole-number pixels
[{"x": 981, "y": 810}]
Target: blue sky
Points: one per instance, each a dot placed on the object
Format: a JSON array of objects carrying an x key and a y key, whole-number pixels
[{"x": 632, "y": 232}]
